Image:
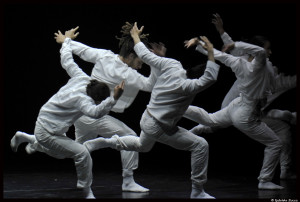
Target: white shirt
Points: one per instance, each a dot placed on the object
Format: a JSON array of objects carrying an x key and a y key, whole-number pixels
[
  {"x": 254, "y": 79},
  {"x": 279, "y": 85},
  {"x": 71, "y": 101},
  {"x": 111, "y": 70},
  {"x": 173, "y": 92}
]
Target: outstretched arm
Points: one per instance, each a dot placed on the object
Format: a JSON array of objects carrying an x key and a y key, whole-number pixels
[
  {"x": 85, "y": 52},
  {"x": 67, "y": 60},
  {"x": 144, "y": 53},
  {"x": 88, "y": 108},
  {"x": 211, "y": 72},
  {"x": 235, "y": 63}
]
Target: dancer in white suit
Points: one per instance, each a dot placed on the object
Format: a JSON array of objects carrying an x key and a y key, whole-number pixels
[
  {"x": 170, "y": 97},
  {"x": 80, "y": 96},
  {"x": 276, "y": 119},
  {"x": 255, "y": 82}
]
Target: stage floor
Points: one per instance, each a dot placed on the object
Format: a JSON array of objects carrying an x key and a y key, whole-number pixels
[{"x": 60, "y": 183}]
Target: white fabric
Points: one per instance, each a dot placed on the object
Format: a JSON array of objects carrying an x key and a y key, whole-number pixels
[
  {"x": 111, "y": 70},
  {"x": 279, "y": 85},
  {"x": 254, "y": 82},
  {"x": 71, "y": 101},
  {"x": 284, "y": 83},
  {"x": 240, "y": 114},
  {"x": 170, "y": 97},
  {"x": 182, "y": 139},
  {"x": 173, "y": 92},
  {"x": 107, "y": 126},
  {"x": 61, "y": 111},
  {"x": 60, "y": 147}
]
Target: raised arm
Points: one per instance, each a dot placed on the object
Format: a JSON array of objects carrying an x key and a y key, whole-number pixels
[
  {"x": 237, "y": 63},
  {"x": 211, "y": 72},
  {"x": 85, "y": 52},
  {"x": 67, "y": 60},
  {"x": 144, "y": 53}
]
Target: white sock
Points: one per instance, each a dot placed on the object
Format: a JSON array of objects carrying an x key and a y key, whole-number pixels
[
  {"x": 269, "y": 185},
  {"x": 130, "y": 185},
  {"x": 88, "y": 193},
  {"x": 29, "y": 149},
  {"x": 19, "y": 138},
  {"x": 200, "y": 194},
  {"x": 97, "y": 143}
]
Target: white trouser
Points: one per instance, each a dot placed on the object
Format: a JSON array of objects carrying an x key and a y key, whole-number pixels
[
  {"x": 240, "y": 114},
  {"x": 182, "y": 140},
  {"x": 282, "y": 130},
  {"x": 87, "y": 128},
  {"x": 60, "y": 146}
]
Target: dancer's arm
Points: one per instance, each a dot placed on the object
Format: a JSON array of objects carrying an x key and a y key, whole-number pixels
[
  {"x": 145, "y": 54},
  {"x": 88, "y": 108},
  {"x": 210, "y": 74},
  {"x": 66, "y": 56},
  {"x": 227, "y": 40},
  {"x": 85, "y": 52}
]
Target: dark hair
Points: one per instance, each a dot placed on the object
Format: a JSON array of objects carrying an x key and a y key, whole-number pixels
[
  {"x": 196, "y": 71},
  {"x": 126, "y": 43},
  {"x": 258, "y": 40},
  {"x": 97, "y": 90}
]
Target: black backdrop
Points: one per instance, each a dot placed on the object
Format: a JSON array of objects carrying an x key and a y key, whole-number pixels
[{"x": 32, "y": 71}]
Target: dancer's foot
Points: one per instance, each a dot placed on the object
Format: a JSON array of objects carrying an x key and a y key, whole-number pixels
[
  {"x": 200, "y": 194},
  {"x": 18, "y": 139},
  {"x": 130, "y": 185},
  {"x": 88, "y": 193},
  {"x": 29, "y": 149},
  {"x": 199, "y": 129},
  {"x": 95, "y": 144},
  {"x": 269, "y": 185}
]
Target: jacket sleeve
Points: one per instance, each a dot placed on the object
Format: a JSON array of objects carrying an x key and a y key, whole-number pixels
[
  {"x": 207, "y": 79},
  {"x": 237, "y": 64},
  {"x": 150, "y": 58},
  {"x": 134, "y": 78},
  {"x": 87, "y": 53},
  {"x": 88, "y": 108},
  {"x": 67, "y": 60}
]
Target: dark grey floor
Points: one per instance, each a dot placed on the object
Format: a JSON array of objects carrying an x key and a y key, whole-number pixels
[{"x": 61, "y": 183}]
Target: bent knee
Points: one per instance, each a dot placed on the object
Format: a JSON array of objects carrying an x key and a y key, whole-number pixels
[
  {"x": 202, "y": 144},
  {"x": 82, "y": 155}
]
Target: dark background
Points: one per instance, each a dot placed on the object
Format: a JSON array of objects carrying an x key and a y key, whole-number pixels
[{"x": 32, "y": 72}]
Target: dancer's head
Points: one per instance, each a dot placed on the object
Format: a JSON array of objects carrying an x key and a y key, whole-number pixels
[
  {"x": 98, "y": 91},
  {"x": 126, "y": 45},
  {"x": 262, "y": 42},
  {"x": 196, "y": 71}
]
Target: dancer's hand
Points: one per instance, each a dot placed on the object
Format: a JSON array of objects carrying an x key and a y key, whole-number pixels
[
  {"x": 191, "y": 42},
  {"x": 59, "y": 37},
  {"x": 218, "y": 22},
  {"x": 158, "y": 49},
  {"x": 135, "y": 33},
  {"x": 118, "y": 90},
  {"x": 207, "y": 44},
  {"x": 209, "y": 47},
  {"x": 71, "y": 33}
]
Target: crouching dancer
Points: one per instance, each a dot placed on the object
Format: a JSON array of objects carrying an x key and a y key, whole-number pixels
[
  {"x": 170, "y": 97},
  {"x": 80, "y": 96}
]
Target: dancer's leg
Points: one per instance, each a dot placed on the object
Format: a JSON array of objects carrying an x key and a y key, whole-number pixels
[{"x": 63, "y": 147}]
